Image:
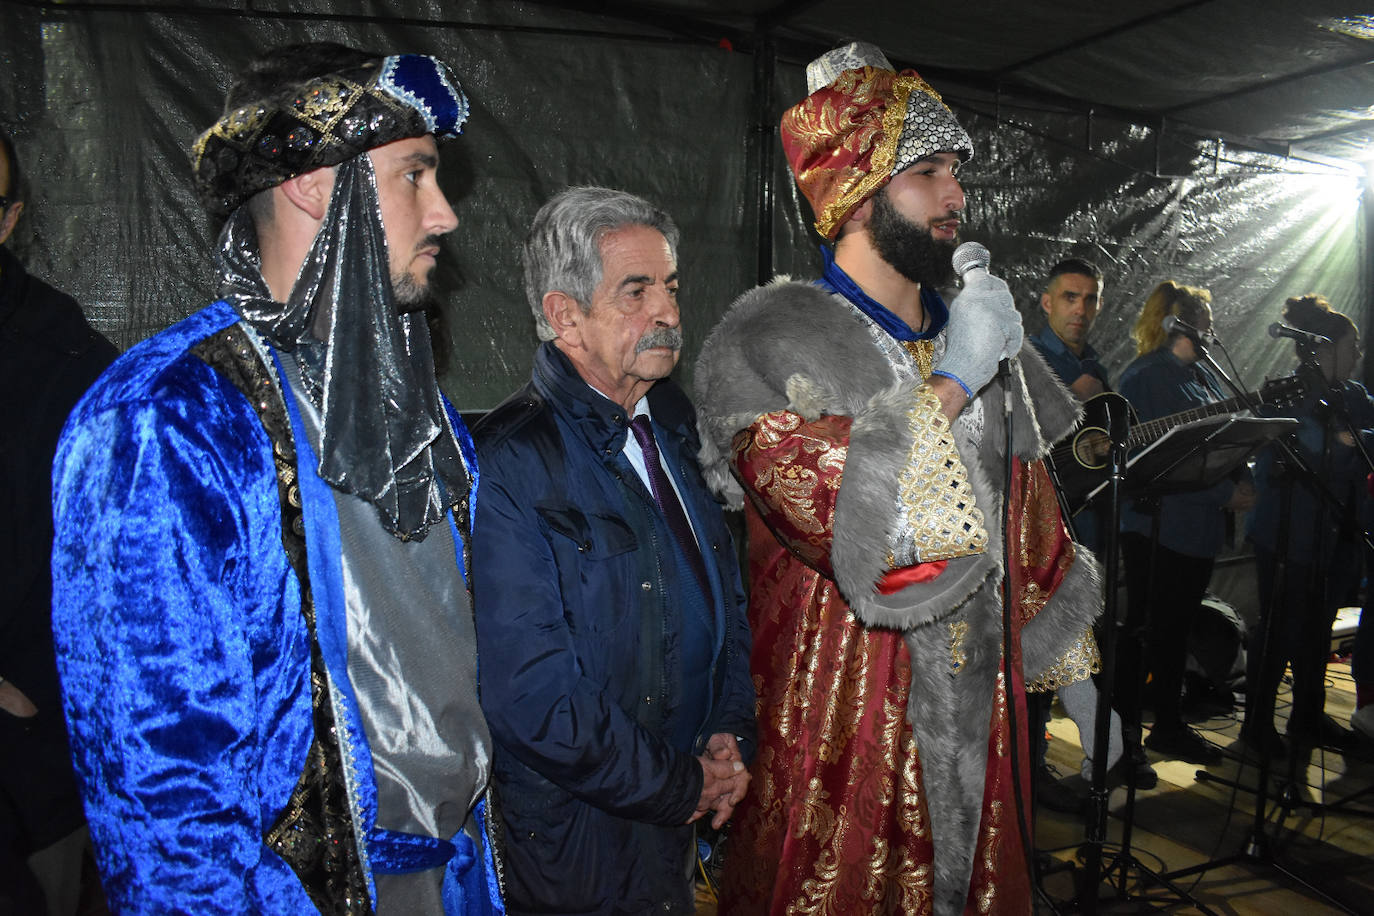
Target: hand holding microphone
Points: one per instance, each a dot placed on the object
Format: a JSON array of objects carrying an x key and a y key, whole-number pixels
[{"x": 984, "y": 326}]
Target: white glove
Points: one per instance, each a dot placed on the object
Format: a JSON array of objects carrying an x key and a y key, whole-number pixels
[{"x": 984, "y": 329}]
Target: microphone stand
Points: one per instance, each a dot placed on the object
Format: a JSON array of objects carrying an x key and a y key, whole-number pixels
[
  {"x": 1013, "y": 715},
  {"x": 1099, "y": 794},
  {"x": 1205, "y": 355},
  {"x": 1123, "y": 860},
  {"x": 1096, "y": 827}
]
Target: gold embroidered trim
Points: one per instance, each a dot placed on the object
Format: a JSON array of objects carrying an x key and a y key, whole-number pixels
[
  {"x": 1041, "y": 532},
  {"x": 992, "y": 854},
  {"x": 999, "y": 697},
  {"x": 958, "y": 632},
  {"x": 938, "y": 514},
  {"x": 879, "y": 172},
  {"x": 1033, "y": 599},
  {"x": 1080, "y": 662},
  {"x": 314, "y": 833}
]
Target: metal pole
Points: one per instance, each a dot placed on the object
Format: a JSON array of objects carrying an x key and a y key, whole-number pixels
[{"x": 765, "y": 56}]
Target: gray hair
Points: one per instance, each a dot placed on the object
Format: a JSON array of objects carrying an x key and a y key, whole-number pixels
[{"x": 563, "y": 250}]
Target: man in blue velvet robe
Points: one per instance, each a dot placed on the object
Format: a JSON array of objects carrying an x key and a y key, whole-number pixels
[{"x": 260, "y": 598}]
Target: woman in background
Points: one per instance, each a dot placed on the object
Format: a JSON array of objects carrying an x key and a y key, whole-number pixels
[
  {"x": 1166, "y": 378},
  {"x": 1323, "y": 548}
]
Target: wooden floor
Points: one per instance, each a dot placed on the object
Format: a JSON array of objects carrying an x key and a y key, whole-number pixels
[
  {"x": 1325, "y": 840},
  {"x": 1185, "y": 822}
]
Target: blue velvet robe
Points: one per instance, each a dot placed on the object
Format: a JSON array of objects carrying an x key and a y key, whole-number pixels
[{"x": 184, "y": 655}]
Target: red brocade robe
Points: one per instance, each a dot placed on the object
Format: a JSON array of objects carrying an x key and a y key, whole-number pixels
[
  {"x": 837, "y": 818},
  {"x": 832, "y": 705}
]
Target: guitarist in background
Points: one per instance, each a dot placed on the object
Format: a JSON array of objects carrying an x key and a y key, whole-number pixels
[
  {"x": 1166, "y": 377},
  {"x": 1072, "y": 297},
  {"x": 1323, "y": 547}
]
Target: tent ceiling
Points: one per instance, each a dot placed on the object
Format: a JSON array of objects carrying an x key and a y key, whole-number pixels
[
  {"x": 1288, "y": 77},
  {"x": 1274, "y": 75}
]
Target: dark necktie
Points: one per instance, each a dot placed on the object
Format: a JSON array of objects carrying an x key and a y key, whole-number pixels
[{"x": 667, "y": 500}]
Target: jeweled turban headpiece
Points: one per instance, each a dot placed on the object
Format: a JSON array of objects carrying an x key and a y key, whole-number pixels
[
  {"x": 324, "y": 122},
  {"x": 861, "y": 124},
  {"x": 366, "y": 366}
]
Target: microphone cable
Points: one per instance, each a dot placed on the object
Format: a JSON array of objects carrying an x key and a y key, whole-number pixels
[{"x": 1018, "y": 794}]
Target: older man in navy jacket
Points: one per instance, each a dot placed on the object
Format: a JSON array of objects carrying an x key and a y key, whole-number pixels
[{"x": 610, "y": 612}]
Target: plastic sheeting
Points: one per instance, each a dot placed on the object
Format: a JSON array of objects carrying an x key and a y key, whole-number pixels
[
  {"x": 105, "y": 103},
  {"x": 104, "y": 106},
  {"x": 1250, "y": 235}
]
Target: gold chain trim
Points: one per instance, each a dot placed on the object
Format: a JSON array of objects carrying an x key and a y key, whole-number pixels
[
  {"x": 923, "y": 353},
  {"x": 1080, "y": 662}
]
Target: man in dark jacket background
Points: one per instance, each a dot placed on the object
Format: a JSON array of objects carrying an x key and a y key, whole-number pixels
[
  {"x": 50, "y": 357},
  {"x": 610, "y": 611}
]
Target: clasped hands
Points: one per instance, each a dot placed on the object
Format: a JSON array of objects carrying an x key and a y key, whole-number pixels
[{"x": 725, "y": 779}]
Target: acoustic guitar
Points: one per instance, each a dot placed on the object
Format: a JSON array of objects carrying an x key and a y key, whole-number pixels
[{"x": 1079, "y": 460}]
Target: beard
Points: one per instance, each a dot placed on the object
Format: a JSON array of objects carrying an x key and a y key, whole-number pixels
[
  {"x": 410, "y": 293},
  {"x": 910, "y": 249}
]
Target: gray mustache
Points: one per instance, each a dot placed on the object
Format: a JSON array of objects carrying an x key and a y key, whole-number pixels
[{"x": 660, "y": 337}]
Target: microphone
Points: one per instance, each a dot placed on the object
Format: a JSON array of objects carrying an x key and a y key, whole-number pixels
[
  {"x": 1172, "y": 324},
  {"x": 968, "y": 259},
  {"x": 1279, "y": 329},
  {"x": 970, "y": 256}
]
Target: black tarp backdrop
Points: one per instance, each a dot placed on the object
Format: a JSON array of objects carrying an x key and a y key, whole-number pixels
[{"x": 104, "y": 100}]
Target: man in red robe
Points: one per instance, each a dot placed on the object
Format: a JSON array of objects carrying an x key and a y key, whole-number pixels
[{"x": 859, "y": 422}]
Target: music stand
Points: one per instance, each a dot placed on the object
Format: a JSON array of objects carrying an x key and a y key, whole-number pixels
[
  {"x": 1192, "y": 456},
  {"x": 1201, "y": 453}
]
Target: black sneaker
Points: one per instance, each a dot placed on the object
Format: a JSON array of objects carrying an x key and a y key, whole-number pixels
[
  {"x": 1052, "y": 792},
  {"x": 1204, "y": 700},
  {"x": 1266, "y": 741},
  {"x": 1182, "y": 742},
  {"x": 1329, "y": 734},
  {"x": 1133, "y": 764}
]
